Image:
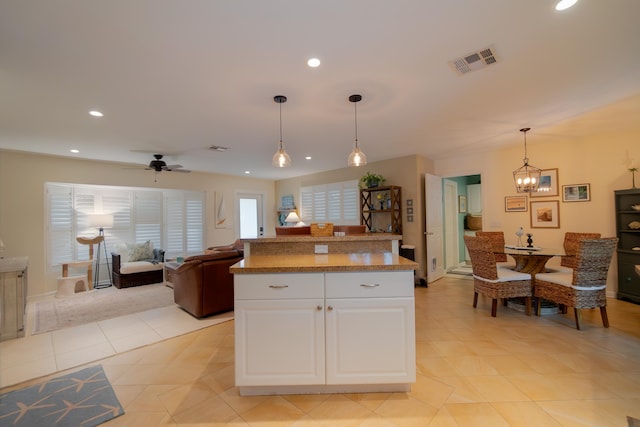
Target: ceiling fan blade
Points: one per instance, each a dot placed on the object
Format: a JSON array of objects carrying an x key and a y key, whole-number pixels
[
  {"x": 179, "y": 170},
  {"x": 172, "y": 166}
]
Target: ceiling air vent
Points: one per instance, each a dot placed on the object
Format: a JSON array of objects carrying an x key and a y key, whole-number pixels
[
  {"x": 474, "y": 61},
  {"x": 218, "y": 148}
]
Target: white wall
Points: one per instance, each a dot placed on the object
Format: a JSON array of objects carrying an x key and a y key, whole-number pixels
[{"x": 22, "y": 201}]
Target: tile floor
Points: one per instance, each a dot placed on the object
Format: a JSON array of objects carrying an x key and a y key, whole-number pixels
[
  {"x": 473, "y": 370},
  {"x": 37, "y": 355}
]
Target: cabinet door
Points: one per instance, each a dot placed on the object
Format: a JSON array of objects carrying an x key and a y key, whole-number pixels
[
  {"x": 279, "y": 342},
  {"x": 370, "y": 341},
  {"x": 474, "y": 198}
]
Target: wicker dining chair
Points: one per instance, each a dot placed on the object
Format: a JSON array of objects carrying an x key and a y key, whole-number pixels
[
  {"x": 496, "y": 283},
  {"x": 586, "y": 285},
  {"x": 568, "y": 261},
  {"x": 497, "y": 243}
]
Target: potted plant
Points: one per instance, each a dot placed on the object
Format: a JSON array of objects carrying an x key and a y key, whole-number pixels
[{"x": 371, "y": 180}]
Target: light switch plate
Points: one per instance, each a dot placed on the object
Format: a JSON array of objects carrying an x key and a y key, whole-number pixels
[{"x": 322, "y": 249}]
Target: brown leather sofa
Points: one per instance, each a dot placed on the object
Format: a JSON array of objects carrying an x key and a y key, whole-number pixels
[{"x": 202, "y": 284}]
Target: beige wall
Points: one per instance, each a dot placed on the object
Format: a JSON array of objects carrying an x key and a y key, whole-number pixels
[
  {"x": 22, "y": 201},
  {"x": 406, "y": 172},
  {"x": 597, "y": 160}
]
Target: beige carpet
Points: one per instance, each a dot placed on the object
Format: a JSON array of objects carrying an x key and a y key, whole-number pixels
[{"x": 99, "y": 304}]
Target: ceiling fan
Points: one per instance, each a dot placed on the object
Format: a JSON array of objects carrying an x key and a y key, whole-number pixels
[{"x": 159, "y": 165}]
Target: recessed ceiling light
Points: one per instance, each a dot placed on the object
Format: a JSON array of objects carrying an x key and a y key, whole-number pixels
[
  {"x": 247, "y": 172},
  {"x": 96, "y": 113},
  {"x": 313, "y": 62},
  {"x": 565, "y": 4},
  {"x": 74, "y": 151},
  {"x": 308, "y": 157}
]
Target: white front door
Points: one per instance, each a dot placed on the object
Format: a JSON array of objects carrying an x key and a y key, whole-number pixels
[
  {"x": 433, "y": 223},
  {"x": 250, "y": 216}
]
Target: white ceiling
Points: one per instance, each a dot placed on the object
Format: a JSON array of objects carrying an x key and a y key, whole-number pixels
[{"x": 176, "y": 77}]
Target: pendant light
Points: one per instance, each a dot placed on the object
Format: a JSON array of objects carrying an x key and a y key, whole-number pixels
[
  {"x": 526, "y": 177},
  {"x": 357, "y": 157},
  {"x": 281, "y": 159}
]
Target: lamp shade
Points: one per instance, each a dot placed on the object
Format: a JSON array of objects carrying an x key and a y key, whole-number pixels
[
  {"x": 292, "y": 218},
  {"x": 101, "y": 220}
]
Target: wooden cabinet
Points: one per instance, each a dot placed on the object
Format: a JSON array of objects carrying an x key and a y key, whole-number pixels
[
  {"x": 381, "y": 209},
  {"x": 324, "y": 330},
  {"x": 13, "y": 297},
  {"x": 629, "y": 244}
]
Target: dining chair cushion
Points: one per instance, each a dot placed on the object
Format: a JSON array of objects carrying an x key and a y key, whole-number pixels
[
  {"x": 566, "y": 279},
  {"x": 505, "y": 275},
  {"x": 506, "y": 265}
]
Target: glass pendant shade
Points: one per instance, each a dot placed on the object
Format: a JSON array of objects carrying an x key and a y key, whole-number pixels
[
  {"x": 281, "y": 159},
  {"x": 357, "y": 157},
  {"x": 526, "y": 177}
]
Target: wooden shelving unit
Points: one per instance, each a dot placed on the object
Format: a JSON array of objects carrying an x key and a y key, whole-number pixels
[{"x": 381, "y": 216}]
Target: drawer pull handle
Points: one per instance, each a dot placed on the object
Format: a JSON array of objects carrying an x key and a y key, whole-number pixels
[
  {"x": 278, "y": 286},
  {"x": 370, "y": 285},
  {"x": 330, "y": 308},
  {"x": 319, "y": 308}
]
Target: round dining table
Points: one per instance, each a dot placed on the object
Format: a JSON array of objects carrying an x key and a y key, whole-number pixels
[{"x": 532, "y": 260}]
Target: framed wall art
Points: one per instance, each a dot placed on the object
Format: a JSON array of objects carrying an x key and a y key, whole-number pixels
[
  {"x": 545, "y": 214},
  {"x": 576, "y": 193},
  {"x": 462, "y": 204},
  {"x": 548, "y": 185},
  {"x": 515, "y": 204}
]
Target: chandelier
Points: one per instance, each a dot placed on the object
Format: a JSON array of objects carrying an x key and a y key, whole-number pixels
[{"x": 526, "y": 177}]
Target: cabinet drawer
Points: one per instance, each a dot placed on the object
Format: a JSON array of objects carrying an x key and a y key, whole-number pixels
[
  {"x": 278, "y": 286},
  {"x": 376, "y": 284}
]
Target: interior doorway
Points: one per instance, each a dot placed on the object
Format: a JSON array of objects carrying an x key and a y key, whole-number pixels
[{"x": 455, "y": 212}]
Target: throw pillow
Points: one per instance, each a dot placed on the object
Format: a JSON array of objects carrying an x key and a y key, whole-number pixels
[{"x": 141, "y": 251}]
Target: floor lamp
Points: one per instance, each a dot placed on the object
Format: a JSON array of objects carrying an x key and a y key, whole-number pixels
[{"x": 101, "y": 221}]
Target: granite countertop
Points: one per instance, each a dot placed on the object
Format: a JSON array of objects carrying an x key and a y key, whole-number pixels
[
  {"x": 309, "y": 238},
  {"x": 323, "y": 263}
]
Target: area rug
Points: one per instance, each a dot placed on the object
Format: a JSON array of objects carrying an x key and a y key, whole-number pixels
[
  {"x": 84, "y": 398},
  {"x": 99, "y": 304}
]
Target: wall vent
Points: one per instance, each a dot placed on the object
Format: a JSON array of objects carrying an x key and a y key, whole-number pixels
[
  {"x": 218, "y": 148},
  {"x": 474, "y": 61}
]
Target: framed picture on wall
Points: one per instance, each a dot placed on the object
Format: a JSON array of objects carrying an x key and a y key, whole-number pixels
[
  {"x": 548, "y": 185},
  {"x": 545, "y": 214},
  {"x": 515, "y": 204},
  {"x": 462, "y": 204},
  {"x": 576, "y": 193}
]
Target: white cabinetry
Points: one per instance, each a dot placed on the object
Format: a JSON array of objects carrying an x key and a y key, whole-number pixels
[
  {"x": 474, "y": 198},
  {"x": 370, "y": 328},
  {"x": 324, "y": 330},
  {"x": 279, "y": 329}
]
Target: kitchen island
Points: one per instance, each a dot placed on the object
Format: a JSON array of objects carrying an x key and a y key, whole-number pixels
[{"x": 324, "y": 323}]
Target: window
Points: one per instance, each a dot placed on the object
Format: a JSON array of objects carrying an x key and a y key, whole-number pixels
[
  {"x": 336, "y": 203},
  {"x": 172, "y": 219}
]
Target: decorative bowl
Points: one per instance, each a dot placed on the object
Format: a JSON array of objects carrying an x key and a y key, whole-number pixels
[
  {"x": 636, "y": 207},
  {"x": 634, "y": 225}
]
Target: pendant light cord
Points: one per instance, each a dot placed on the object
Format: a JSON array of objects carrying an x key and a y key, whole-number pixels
[
  {"x": 355, "y": 109},
  {"x": 280, "y": 124}
]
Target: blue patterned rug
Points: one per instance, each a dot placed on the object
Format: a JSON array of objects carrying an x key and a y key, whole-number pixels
[{"x": 84, "y": 398}]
